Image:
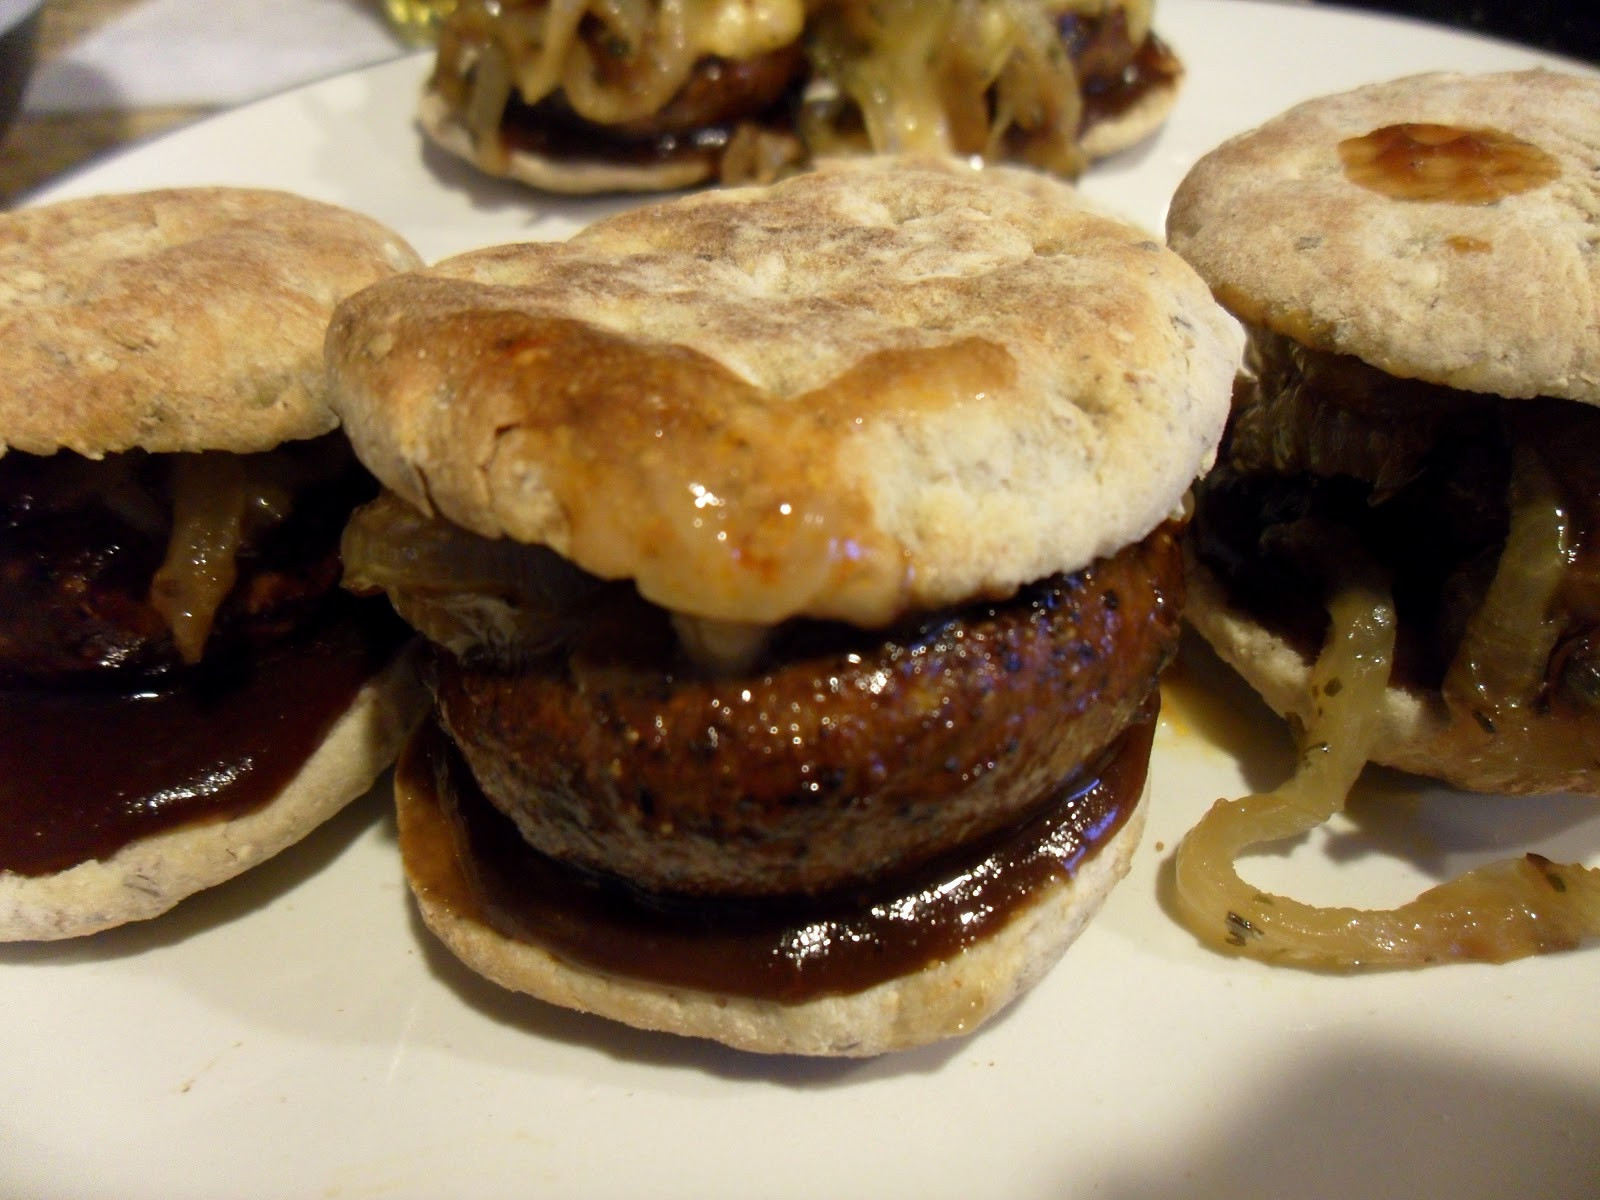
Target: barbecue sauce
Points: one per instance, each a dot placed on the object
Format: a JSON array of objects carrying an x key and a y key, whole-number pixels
[
  {"x": 461, "y": 853},
  {"x": 1444, "y": 163},
  {"x": 1109, "y": 94},
  {"x": 85, "y": 771}
]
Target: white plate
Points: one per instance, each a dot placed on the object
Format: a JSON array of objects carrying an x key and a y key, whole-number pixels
[{"x": 296, "y": 1033}]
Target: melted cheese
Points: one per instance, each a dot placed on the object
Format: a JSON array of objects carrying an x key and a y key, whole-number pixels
[
  {"x": 921, "y": 76},
  {"x": 624, "y": 64}
]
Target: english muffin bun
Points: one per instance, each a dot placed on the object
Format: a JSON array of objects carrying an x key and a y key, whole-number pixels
[
  {"x": 594, "y": 98},
  {"x": 1415, "y": 262},
  {"x": 184, "y": 690},
  {"x": 797, "y": 566}
]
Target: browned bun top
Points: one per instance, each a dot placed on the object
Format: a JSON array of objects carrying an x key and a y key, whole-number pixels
[
  {"x": 880, "y": 386},
  {"x": 1480, "y": 271},
  {"x": 176, "y": 320}
]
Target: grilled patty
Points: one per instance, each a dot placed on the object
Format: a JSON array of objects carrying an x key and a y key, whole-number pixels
[{"x": 845, "y": 757}]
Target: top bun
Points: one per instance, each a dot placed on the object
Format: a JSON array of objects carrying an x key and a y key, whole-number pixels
[
  {"x": 177, "y": 320},
  {"x": 875, "y": 387},
  {"x": 1494, "y": 297}
]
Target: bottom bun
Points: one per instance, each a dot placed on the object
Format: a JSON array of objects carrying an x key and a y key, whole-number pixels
[
  {"x": 148, "y": 876},
  {"x": 1133, "y": 124},
  {"x": 1417, "y": 732},
  {"x": 578, "y": 178},
  {"x": 946, "y": 999},
  {"x": 1105, "y": 137}
]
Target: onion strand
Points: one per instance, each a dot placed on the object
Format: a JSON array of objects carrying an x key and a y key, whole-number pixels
[{"x": 1496, "y": 913}]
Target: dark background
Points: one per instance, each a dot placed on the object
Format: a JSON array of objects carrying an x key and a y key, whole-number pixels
[{"x": 1570, "y": 27}]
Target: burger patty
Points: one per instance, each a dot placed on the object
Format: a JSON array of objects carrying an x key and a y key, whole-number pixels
[
  {"x": 1321, "y": 448},
  {"x": 81, "y": 541},
  {"x": 719, "y": 94},
  {"x": 848, "y": 757}
]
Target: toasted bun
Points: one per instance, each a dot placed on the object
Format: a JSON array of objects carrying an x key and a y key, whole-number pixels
[
  {"x": 1496, "y": 298},
  {"x": 1418, "y": 734},
  {"x": 875, "y": 387},
  {"x": 186, "y": 319},
  {"x": 946, "y": 999},
  {"x": 147, "y": 877}
]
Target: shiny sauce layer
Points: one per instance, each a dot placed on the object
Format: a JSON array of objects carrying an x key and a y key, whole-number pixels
[
  {"x": 1109, "y": 94},
  {"x": 462, "y": 853},
  {"x": 1445, "y": 163},
  {"x": 83, "y": 772}
]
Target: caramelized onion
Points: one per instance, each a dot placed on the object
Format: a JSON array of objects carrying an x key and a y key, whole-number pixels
[
  {"x": 1499, "y": 912},
  {"x": 721, "y": 647},
  {"x": 940, "y": 76},
  {"x": 1500, "y": 666},
  {"x": 1299, "y": 410},
  {"x": 467, "y": 593},
  {"x": 209, "y": 500},
  {"x": 919, "y": 75}
]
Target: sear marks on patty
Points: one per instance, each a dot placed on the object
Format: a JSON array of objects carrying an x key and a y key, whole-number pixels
[{"x": 847, "y": 757}]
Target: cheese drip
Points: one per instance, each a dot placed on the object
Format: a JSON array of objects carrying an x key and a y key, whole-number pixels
[
  {"x": 1510, "y": 909},
  {"x": 219, "y": 500},
  {"x": 948, "y": 77},
  {"x": 497, "y": 599},
  {"x": 613, "y": 60}
]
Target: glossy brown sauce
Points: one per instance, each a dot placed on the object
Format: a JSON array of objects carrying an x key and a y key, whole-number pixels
[
  {"x": 1445, "y": 163},
  {"x": 1106, "y": 97},
  {"x": 83, "y": 773},
  {"x": 462, "y": 853},
  {"x": 547, "y": 130}
]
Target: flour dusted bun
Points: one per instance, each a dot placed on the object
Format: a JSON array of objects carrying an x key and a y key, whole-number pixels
[
  {"x": 148, "y": 876},
  {"x": 797, "y": 566},
  {"x": 200, "y": 692},
  {"x": 990, "y": 381},
  {"x": 1494, "y": 293},
  {"x": 1415, "y": 265},
  {"x": 178, "y": 319}
]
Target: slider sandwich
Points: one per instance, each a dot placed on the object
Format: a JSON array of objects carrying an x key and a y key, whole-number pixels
[
  {"x": 583, "y": 96},
  {"x": 1415, "y": 450},
  {"x": 796, "y": 566},
  {"x": 184, "y": 687}
]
